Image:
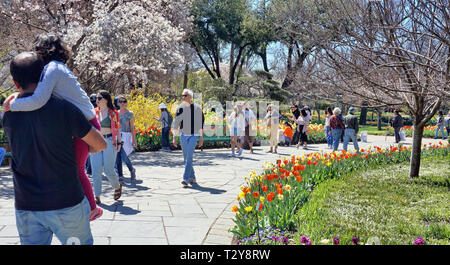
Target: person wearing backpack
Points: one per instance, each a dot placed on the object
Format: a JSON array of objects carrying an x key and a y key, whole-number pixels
[
  {"x": 166, "y": 121},
  {"x": 337, "y": 127},
  {"x": 397, "y": 124}
]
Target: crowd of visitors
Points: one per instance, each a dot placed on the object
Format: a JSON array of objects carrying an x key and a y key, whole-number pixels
[{"x": 59, "y": 135}]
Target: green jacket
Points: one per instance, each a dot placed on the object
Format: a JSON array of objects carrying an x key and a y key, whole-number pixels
[{"x": 351, "y": 122}]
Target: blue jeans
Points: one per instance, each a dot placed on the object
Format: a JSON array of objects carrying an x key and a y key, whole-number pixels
[
  {"x": 188, "y": 143},
  {"x": 122, "y": 157},
  {"x": 2, "y": 154},
  {"x": 439, "y": 128},
  {"x": 336, "y": 133},
  {"x": 104, "y": 162},
  {"x": 70, "y": 225},
  {"x": 165, "y": 142},
  {"x": 88, "y": 165},
  {"x": 350, "y": 134},
  {"x": 328, "y": 132}
]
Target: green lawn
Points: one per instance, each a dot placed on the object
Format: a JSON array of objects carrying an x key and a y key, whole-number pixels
[
  {"x": 383, "y": 203},
  {"x": 373, "y": 130}
]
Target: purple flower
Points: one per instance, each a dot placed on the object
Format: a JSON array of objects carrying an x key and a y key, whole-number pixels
[
  {"x": 419, "y": 241},
  {"x": 305, "y": 240},
  {"x": 285, "y": 240},
  {"x": 355, "y": 240},
  {"x": 275, "y": 238},
  {"x": 335, "y": 241}
]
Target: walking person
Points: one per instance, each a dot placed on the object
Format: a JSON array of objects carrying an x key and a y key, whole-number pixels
[
  {"x": 296, "y": 113},
  {"x": 128, "y": 136},
  {"x": 272, "y": 119},
  {"x": 397, "y": 123},
  {"x": 166, "y": 122},
  {"x": 303, "y": 123},
  {"x": 49, "y": 197},
  {"x": 328, "y": 114},
  {"x": 189, "y": 119},
  {"x": 93, "y": 99},
  {"x": 440, "y": 125},
  {"x": 447, "y": 124},
  {"x": 337, "y": 127},
  {"x": 351, "y": 129},
  {"x": 250, "y": 119},
  {"x": 105, "y": 161},
  {"x": 58, "y": 80},
  {"x": 237, "y": 129}
]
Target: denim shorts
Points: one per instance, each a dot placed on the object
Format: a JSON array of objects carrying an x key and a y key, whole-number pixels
[{"x": 70, "y": 225}]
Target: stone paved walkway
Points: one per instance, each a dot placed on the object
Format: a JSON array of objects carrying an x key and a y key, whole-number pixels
[{"x": 157, "y": 210}]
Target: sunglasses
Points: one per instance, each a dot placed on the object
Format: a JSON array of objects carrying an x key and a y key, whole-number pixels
[
  {"x": 184, "y": 96},
  {"x": 99, "y": 98},
  {"x": 123, "y": 101}
]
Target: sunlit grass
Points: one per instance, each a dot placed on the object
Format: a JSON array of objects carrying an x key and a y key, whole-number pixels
[{"x": 383, "y": 203}]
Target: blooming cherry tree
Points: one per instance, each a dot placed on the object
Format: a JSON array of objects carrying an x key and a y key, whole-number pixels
[{"x": 110, "y": 40}]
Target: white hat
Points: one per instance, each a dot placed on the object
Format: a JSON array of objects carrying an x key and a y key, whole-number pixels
[{"x": 162, "y": 106}]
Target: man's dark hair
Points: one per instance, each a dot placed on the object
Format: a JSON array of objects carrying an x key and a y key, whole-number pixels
[{"x": 26, "y": 69}]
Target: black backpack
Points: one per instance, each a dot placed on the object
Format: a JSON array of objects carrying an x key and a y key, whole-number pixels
[{"x": 170, "y": 119}]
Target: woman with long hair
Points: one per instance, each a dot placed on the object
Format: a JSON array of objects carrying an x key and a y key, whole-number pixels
[
  {"x": 303, "y": 123},
  {"x": 106, "y": 160},
  {"x": 237, "y": 130},
  {"x": 58, "y": 80},
  {"x": 272, "y": 119},
  {"x": 128, "y": 135}
]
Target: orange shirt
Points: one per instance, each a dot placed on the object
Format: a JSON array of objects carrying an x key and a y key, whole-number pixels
[{"x": 288, "y": 132}]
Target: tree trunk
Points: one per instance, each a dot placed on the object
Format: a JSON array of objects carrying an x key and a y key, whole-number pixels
[
  {"x": 185, "y": 77},
  {"x": 416, "y": 151},
  {"x": 363, "y": 115},
  {"x": 263, "y": 55},
  {"x": 230, "y": 69},
  {"x": 379, "y": 120},
  {"x": 236, "y": 64},
  {"x": 318, "y": 112}
]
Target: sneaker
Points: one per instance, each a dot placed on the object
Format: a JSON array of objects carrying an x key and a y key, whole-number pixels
[
  {"x": 192, "y": 181},
  {"x": 95, "y": 214},
  {"x": 184, "y": 183},
  {"x": 240, "y": 152},
  {"x": 133, "y": 174}
]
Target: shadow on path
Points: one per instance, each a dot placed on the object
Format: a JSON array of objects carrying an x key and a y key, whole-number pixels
[
  {"x": 195, "y": 186},
  {"x": 119, "y": 208}
]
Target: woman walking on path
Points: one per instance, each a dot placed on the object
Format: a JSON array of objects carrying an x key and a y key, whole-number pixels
[
  {"x": 447, "y": 124},
  {"x": 296, "y": 113},
  {"x": 272, "y": 118},
  {"x": 328, "y": 114},
  {"x": 303, "y": 123},
  {"x": 166, "y": 122},
  {"x": 237, "y": 129},
  {"x": 106, "y": 160},
  {"x": 440, "y": 125},
  {"x": 397, "y": 123},
  {"x": 58, "y": 80},
  {"x": 337, "y": 127},
  {"x": 128, "y": 135}
]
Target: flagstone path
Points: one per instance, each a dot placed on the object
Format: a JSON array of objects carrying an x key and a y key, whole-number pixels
[{"x": 157, "y": 210}]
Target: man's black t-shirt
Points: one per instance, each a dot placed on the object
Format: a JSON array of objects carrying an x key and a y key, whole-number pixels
[{"x": 43, "y": 156}]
